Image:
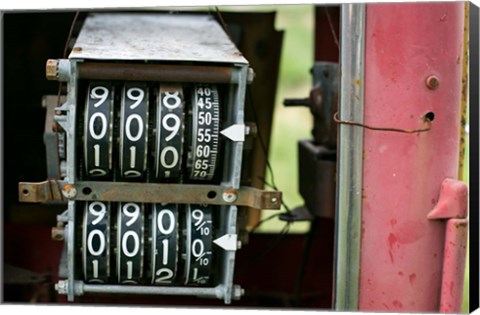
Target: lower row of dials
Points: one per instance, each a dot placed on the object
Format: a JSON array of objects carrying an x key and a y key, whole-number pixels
[{"x": 142, "y": 244}]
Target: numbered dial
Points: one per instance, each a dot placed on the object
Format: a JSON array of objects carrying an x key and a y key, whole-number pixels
[
  {"x": 130, "y": 242},
  {"x": 169, "y": 137},
  {"x": 133, "y": 130},
  {"x": 164, "y": 243},
  {"x": 198, "y": 244},
  {"x": 98, "y": 130},
  {"x": 95, "y": 242},
  {"x": 205, "y": 129}
]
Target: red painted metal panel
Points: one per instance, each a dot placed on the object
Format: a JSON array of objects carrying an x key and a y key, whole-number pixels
[
  {"x": 402, "y": 251},
  {"x": 454, "y": 266}
]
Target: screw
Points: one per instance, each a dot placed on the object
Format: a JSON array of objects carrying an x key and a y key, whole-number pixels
[
  {"x": 51, "y": 69},
  {"x": 69, "y": 191},
  {"x": 432, "y": 82},
  {"x": 230, "y": 195}
]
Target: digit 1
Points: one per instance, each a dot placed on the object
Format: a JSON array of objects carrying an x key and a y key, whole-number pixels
[
  {"x": 195, "y": 273},
  {"x": 133, "y": 152},
  {"x": 129, "y": 269},
  {"x": 165, "y": 251},
  {"x": 95, "y": 268},
  {"x": 96, "y": 148}
]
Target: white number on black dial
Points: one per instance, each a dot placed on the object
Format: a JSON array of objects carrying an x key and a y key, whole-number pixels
[
  {"x": 95, "y": 242},
  {"x": 169, "y": 126},
  {"x": 164, "y": 243},
  {"x": 133, "y": 130},
  {"x": 98, "y": 129},
  {"x": 130, "y": 242},
  {"x": 205, "y": 129},
  {"x": 198, "y": 244}
]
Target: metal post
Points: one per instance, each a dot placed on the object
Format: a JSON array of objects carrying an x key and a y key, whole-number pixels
[{"x": 349, "y": 185}]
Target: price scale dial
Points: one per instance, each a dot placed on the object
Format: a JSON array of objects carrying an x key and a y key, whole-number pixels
[
  {"x": 205, "y": 129},
  {"x": 198, "y": 244}
]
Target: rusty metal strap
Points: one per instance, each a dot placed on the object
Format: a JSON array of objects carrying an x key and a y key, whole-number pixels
[
  {"x": 155, "y": 72},
  {"x": 149, "y": 193},
  {"x": 48, "y": 190}
]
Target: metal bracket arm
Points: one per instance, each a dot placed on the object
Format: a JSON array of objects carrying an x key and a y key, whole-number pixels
[{"x": 50, "y": 190}]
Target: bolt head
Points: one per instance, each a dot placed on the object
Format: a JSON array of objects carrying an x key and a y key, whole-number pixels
[
  {"x": 69, "y": 191},
  {"x": 230, "y": 196},
  {"x": 51, "y": 69},
  {"x": 432, "y": 82}
]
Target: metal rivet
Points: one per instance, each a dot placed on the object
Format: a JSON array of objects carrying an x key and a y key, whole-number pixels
[
  {"x": 432, "y": 82},
  {"x": 69, "y": 191},
  {"x": 229, "y": 195}
]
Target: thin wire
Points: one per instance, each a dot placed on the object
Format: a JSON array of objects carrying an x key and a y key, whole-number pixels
[
  {"x": 224, "y": 25},
  {"x": 332, "y": 29},
  {"x": 352, "y": 123},
  {"x": 256, "y": 226}
]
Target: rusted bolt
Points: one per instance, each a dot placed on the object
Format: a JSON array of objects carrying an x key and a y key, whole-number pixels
[
  {"x": 57, "y": 234},
  {"x": 51, "y": 69},
  {"x": 77, "y": 49},
  {"x": 69, "y": 191},
  {"x": 61, "y": 287},
  {"x": 432, "y": 82},
  {"x": 229, "y": 195}
]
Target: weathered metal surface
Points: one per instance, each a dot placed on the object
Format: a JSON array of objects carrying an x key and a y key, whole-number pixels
[
  {"x": 452, "y": 206},
  {"x": 156, "y": 72},
  {"x": 402, "y": 250},
  {"x": 261, "y": 44},
  {"x": 45, "y": 191},
  {"x": 148, "y": 192},
  {"x": 465, "y": 85},
  {"x": 154, "y": 37},
  {"x": 51, "y": 136},
  {"x": 325, "y": 103},
  {"x": 454, "y": 254},
  {"x": 317, "y": 178},
  {"x": 81, "y": 288},
  {"x": 349, "y": 185}
]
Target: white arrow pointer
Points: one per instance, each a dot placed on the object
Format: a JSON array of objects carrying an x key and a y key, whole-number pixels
[
  {"x": 227, "y": 242},
  {"x": 234, "y": 132}
]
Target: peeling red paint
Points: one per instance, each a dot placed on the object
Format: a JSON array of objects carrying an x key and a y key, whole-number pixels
[
  {"x": 392, "y": 240},
  {"x": 412, "y": 278}
]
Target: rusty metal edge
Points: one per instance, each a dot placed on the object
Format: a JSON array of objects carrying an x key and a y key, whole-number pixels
[
  {"x": 50, "y": 190},
  {"x": 155, "y": 72}
]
